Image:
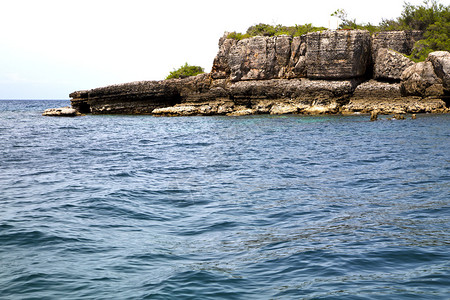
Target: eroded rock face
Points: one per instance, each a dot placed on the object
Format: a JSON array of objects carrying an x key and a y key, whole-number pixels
[
  {"x": 260, "y": 58},
  {"x": 221, "y": 65},
  {"x": 297, "y": 61},
  {"x": 300, "y": 90},
  {"x": 441, "y": 65},
  {"x": 142, "y": 97},
  {"x": 389, "y": 64},
  {"x": 400, "y": 41},
  {"x": 275, "y": 96},
  {"x": 135, "y": 97},
  {"x": 337, "y": 54},
  {"x": 421, "y": 80},
  {"x": 317, "y": 55},
  {"x": 256, "y": 58}
]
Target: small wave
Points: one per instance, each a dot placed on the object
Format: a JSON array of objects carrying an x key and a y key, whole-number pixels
[{"x": 34, "y": 238}]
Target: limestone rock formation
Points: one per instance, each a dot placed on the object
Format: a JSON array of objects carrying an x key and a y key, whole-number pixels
[
  {"x": 317, "y": 73},
  {"x": 400, "y": 41},
  {"x": 221, "y": 65},
  {"x": 142, "y": 97},
  {"x": 441, "y": 65},
  {"x": 275, "y": 96},
  {"x": 337, "y": 54},
  {"x": 389, "y": 64},
  {"x": 386, "y": 98},
  {"x": 421, "y": 80},
  {"x": 317, "y": 55},
  {"x": 297, "y": 61},
  {"x": 259, "y": 58}
]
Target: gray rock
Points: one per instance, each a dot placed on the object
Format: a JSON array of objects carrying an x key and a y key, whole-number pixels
[
  {"x": 299, "y": 90},
  {"x": 400, "y": 41},
  {"x": 389, "y": 64},
  {"x": 142, "y": 97},
  {"x": 221, "y": 65},
  {"x": 441, "y": 65},
  {"x": 260, "y": 58},
  {"x": 373, "y": 89},
  {"x": 337, "y": 54},
  {"x": 420, "y": 80},
  {"x": 297, "y": 61}
]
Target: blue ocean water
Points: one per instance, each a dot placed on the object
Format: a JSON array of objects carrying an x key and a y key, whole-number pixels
[{"x": 258, "y": 207}]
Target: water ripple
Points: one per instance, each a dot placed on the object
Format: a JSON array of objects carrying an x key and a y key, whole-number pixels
[{"x": 257, "y": 207}]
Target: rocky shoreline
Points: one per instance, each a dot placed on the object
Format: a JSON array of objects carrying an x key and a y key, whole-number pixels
[{"x": 328, "y": 72}]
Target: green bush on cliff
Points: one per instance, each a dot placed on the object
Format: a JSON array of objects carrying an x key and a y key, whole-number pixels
[
  {"x": 431, "y": 17},
  {"x": 185, "y": 71},
  {"x": 237, "y": 36},
  {"x": 269, "y": 30},
  {"x": 349, "y": 24}
]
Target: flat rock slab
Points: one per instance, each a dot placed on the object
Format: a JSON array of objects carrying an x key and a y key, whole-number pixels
[{"x": 61, "y": 112}]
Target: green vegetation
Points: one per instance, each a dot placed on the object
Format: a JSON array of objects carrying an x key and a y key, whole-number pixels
[
  {"x": 185, "y": 71},
  {"x": 431, "y": 17},
  {"x": 348, "y": 24},
  {"x": 269, "y": 30}
]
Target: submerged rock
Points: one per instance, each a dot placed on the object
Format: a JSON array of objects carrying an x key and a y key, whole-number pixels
[
  {"x": 374, "y": 115},
  {"x": 399, "y": 117}
]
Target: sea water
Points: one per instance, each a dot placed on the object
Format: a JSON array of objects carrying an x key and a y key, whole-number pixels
[{"x": 256, "y": 207}]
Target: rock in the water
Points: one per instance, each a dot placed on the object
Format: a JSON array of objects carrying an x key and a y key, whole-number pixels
[
  {"x": 386, "y": 99},
  {"x": 337, "y": 54},
  {"x": 389, "y": 64},
  {"x": 183, "y": 110},
  {"x": 61, "y": 112},
  {"x": 420, "y": 80},
  {"x": 374, "y": 115},
  {"x": 441, "y": 65},
  {"x": 242, "y": 111},
  {"x": 283, "y": 108}
]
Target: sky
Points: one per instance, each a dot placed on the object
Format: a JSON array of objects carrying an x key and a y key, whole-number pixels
[{"x": 50, "y": 48}]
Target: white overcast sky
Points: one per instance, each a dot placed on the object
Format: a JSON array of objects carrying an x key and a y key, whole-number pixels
[{"x": 50, "y": 48}]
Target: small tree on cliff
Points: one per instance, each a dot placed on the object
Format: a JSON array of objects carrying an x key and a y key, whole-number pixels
[{"x": 185, "y": 71}]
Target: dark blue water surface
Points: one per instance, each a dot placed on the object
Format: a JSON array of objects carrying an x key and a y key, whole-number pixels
[{"x": 259, "y": 207}]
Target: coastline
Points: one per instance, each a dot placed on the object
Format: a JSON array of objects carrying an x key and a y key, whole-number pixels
[{"x": 328, "y": 72}]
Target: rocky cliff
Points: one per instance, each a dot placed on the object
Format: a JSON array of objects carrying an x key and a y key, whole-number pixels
[{"x": 321, "y": 72}]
